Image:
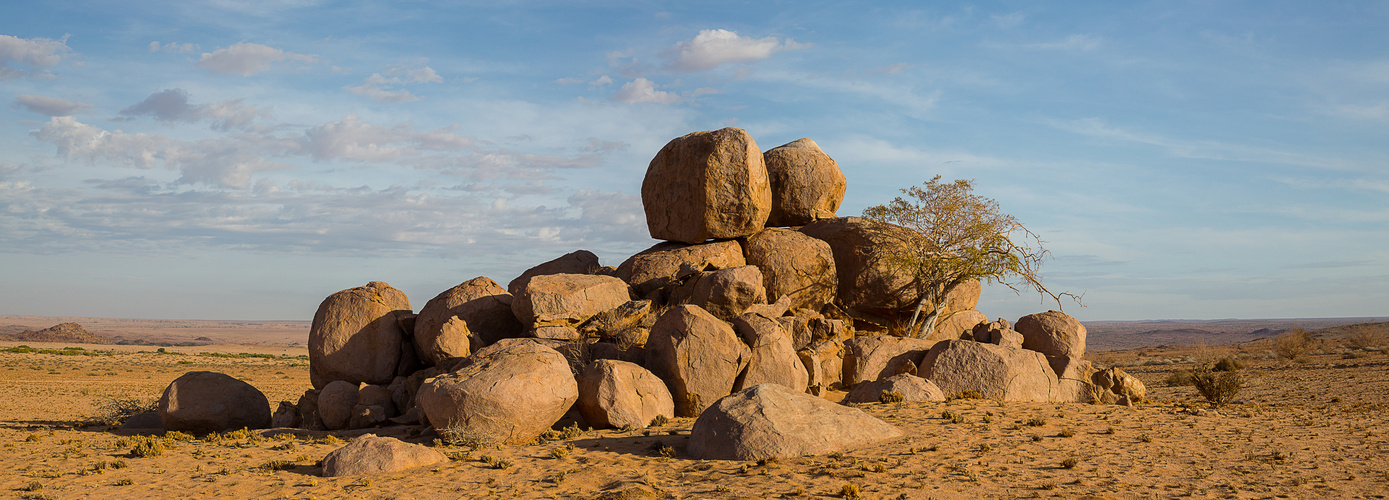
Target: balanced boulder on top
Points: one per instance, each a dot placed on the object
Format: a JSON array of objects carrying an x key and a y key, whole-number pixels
[
  {"x": 707, "y": 185},
  {"x": 356, "y": 336},
  {"x": 806, "y": 183}
]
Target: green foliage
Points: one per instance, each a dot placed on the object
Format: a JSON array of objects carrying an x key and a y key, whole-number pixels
[{"x": 964, "y": 237}]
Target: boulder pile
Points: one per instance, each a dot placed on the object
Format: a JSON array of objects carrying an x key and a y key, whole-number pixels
[{"x": 757, "y": 298}]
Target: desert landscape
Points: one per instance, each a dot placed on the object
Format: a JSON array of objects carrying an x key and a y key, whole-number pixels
[{"x": 1310, "y": 428}]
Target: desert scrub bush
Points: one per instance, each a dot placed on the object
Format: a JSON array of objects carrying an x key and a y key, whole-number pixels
[
  {"x": 1069, "y": 463},
  {"x": 1037, "y": 422},
  {"x": 968, "y": 394},
  {"x": 274, "y": 465},
  {"x": 146, "y": 447},
  {"x": 1294, "y": 344},
  {"x": 1067, "y": 432},
  {"x": 890, "y": 397},
  {"x": 1365, "y": 336},
  {"x": 117, "y": 411},
  {"x": 458, "y": 435},
  {"x": 1179, "y": 378},
  {"x": 562, "y": 451},
  {"x": 1227, "y": 364},
  {"x": 1219, "y": 388},
  {"x": 850, "y": 491},
  {"x": 660, "y": 420}
]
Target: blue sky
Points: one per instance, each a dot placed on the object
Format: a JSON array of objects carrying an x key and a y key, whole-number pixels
[{"x": 243, "y": 159}]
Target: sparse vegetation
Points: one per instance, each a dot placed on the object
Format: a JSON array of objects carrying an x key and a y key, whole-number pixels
[
  {"x": 458, "y": 435},
  {"x": 1294, "y": 344},
  {"x": 1179, "y": 378},
  {"x": 1219, "y": 388},
  {"x": 1366, "y": 336},
  {"x": 890, "y": 397},
  {"x": 1069, "y": 463},
  {"x": 1227, "y": 364},
  {"x": 850, "y": 491}
]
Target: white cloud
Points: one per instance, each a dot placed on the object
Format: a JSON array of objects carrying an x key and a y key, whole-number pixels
[
  {"x": 51, "y": 106},
  {"x": 36, "y": 53},
  {"x": 385, "y": 88},
  {"x": 180, "y": 48},
  {"x": 643, "y": 90},
  {"x": 247, "y": 59},
  {"x": 172, "y": 106},
  {"x": 711, "y": 48},
  {"x": 75, "y": 139}
]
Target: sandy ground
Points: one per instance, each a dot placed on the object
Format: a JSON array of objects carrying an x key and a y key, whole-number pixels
[{"x": 1315, "y": 429}]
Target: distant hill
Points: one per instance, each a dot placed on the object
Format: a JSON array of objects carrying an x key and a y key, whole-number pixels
[{"x": 64, "y": 332}]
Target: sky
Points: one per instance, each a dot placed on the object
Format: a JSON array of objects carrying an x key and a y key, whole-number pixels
[{"x": 219, "y": 159}]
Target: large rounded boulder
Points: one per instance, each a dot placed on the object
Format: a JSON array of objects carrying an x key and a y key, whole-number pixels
[
  {"x": 866, "y": 253},
  {"x": 1052, "y": 333},
  {"x": 995, "y": 372},
  {"x": 794, "y": 265},
  {"x": 727, "y": 293},
  {"x": 807, "y": 184},
  {"x": 773, "y": 421},
  {"x": 706, "y": 185},
  {"x": 464, "y": 318},
  {"x": 697, "y": 355},
  {"x": 205, "y": 402},
  {"x": 507, "y": 393},
  {"x": 622, "y": 395},
  {"x": 356, "y": 335}
]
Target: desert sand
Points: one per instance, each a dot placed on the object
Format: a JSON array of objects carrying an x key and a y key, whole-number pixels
[{"x": 1311, "y": 429}]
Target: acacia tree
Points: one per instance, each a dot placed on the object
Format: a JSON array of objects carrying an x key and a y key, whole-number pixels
[{"x": 966, "y": 238}]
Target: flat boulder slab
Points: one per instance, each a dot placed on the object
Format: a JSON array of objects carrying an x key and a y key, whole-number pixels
[
  {"x": 576, "y": 262},
  {"x": 660, "y": 267},
  {"x": 1052, "y": 333},
  {"x": 206, "y": 402},
  {"x": 773, "y": 358},
  {"x": 622, "y": 395},
  {"x": 807, "y": 184},
  {"x": 869, "y": 358},
  {"x": 561, "y": 302},
  {"x": 909, "y": 387},
  {"x": 727, "y": 293},
  {"x": 864, "y": 251},
  {"x": 506, "y": 393},
  {"x": 1116, "y": 386},
  {"x": 705, "y": 185},
  {"x": 793, "y": 265},
  {"x": 356, "y": 335},
  {"x": 463, "y": 319},
  {"x": 697, "y": 355},
  {"x": 773, "y": 421},
  {"x": 995, "y": 372},
  {"x": 372, "y": 454}
]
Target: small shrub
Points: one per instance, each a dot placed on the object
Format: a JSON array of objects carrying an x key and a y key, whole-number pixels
[
  {"x": 457, "y": 435},
  {"x": 1365, "y": 336},
  {"x": 1294, "y": 343},
  {"x": 147, "y": 447},
  {"x": 890, "y": 397},
  {"x": 1037, "y": 422},
  {"x": 32, "y": 486},
  {"x": 1067, "y": 432},
  {"x": 1145, "y": 438},
  {"x": 1036, "y": 437},
  {"x": 1049, "y": 485},
  {"x": 969, "y": 394},
  {"x": 1227, "y": 364},
  {"x": 850, "y": 491},
  {"x": 1069, "y": 463},
  {"x": 1179, "y": 378},
  {"x": 329, "y": 439},
  {"x": 1218, "y": 388},
  {"x": 562, "y": 451},
  {"x": 125, "y": 482},
  {"x": 275, "y": 465},
  {"x": 660, "y": 420}
]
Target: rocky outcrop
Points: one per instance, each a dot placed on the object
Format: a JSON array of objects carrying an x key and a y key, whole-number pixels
[
  {"x": 727, "y": 293},
  {"x": 824, "y": 365},
  {"x": 1000, "y": 333},
  {"x": 706, "y": 185},
  {"x": 1075, "y": 376},
  {"x": 622, "y": 395},
  {"x": 793, "y": 265},
  {"x": 506, "y": 393},
  {"x": 1052, "y": 333},
  {"x": 773, "y": 421},
  {"x": 665, "y": 265},
  {"x": 871, "y": 358},
  {"x": 909, "y": 387},
  {"x": 863, "y": 258},
  {"x": 958, "y": 325},
  {"x": 1117, "y": 386},
  {"x": 773, "y": 358},
  {"x": 204, "y": 402},
  {"x": 697, "y": 355},
  {"x": 62, "y": 332},
  {"x": 464, "y": 318},
  {"x": 372, "y": 454},
  {"x": 355, "y": 335},
  {"x": 576, "y": 262},
  {"x": 628, "y": 324},
  {"x": 807, "y": 184},
  {"x": 995, "y": 372},
  {"x": 561, "y": 302}
]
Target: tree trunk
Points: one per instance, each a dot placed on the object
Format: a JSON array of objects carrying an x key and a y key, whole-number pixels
[{"x": 928, "y": 325}]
